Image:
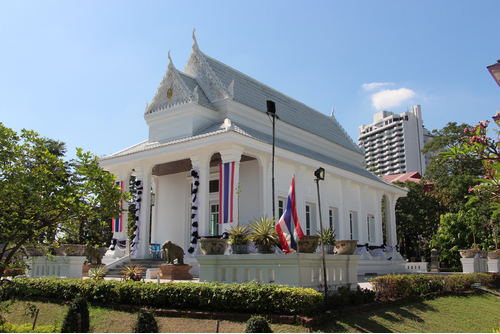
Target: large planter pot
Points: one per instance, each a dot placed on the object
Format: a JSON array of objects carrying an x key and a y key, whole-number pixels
[
  {"x": 484, "y": 254},
  {"x": 57, "y": 250},
  {"x": 265, "y": 250},
  {"x": 73, "y": 249},
  {"x": 240, "y": 249},
  {"x": 468, "y": 253},
  {"x": 329, "y": 249},
  {"x": 493, "y": 255},
  {"x": 37, "y": 251},
  {"x": 308, "y": 244},
  {"x": 346, "y": 247},
  {"x": 211, "y": 246}
]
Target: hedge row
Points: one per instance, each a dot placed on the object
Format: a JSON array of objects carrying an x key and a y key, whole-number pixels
[
  {"x": 396, "y": 286},
  {"x": 249, "y": 297}
]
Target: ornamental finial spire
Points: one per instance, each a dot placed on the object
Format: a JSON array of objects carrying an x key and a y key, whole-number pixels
[
  {"x": 194, "y": 37},
  {"x": 169, "y": 57}
]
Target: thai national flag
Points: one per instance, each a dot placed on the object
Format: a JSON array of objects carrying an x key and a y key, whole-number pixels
[
  {"x": 226, "y": 190},
  {"x": 288, "y": 228},
  {"x": 118, "y": 222}
]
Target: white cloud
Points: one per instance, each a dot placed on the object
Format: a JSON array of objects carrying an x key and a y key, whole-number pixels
[
  {"x": 373, "y": 85},
  {"x": 386, "y": 99}
]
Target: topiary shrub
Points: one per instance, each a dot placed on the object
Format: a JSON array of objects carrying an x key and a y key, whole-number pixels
[
  {"x": 146, "y": 323},
  {"x": 70, "y": 324},
  {"x": 257, "y": 324}
]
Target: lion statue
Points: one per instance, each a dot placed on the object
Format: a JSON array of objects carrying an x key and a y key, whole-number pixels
[
  {"x": 171, "y": 251},
  {"x": 93, "y": 253}
]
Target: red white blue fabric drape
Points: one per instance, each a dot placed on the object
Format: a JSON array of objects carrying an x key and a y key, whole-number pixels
[
  {"x": 288, "y": 227},
  {"x": 226, "y": 190}
]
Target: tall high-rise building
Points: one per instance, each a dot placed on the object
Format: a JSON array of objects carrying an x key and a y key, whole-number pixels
[{"x": 393, "y": 142}]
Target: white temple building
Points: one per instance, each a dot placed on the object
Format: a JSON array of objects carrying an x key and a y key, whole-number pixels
[{"x": 209, "y": 114}]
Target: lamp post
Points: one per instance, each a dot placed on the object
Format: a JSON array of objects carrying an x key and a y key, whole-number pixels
[
  {"x": 320, "y": 175},
  {"x": 271, "y": 112}
]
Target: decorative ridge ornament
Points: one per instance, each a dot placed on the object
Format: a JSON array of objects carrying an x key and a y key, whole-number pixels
[
  {"x": 172, "y": 91},
  {"x": 198, "y": 66},
  {"x": 194, "y": 37}
]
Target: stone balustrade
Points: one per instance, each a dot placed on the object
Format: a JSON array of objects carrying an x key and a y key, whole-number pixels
[
  {"x": 301, "y": 270},
  {"x": 57, "y": 266}
]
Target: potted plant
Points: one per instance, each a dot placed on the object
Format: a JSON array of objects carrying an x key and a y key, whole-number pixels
[
  {"x": 97, "y": 273},
  {"x": 239, "y": 239},
  {"x": 308, "y": 244},
  {"x": 496, "y": 253},
  {"x": 346, "y": 247},
  {"x": 263, "y": 234},
  {"x": 329, "y": 238}
]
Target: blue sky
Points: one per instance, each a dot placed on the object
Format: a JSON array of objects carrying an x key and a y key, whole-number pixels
[{"x": 82, "y": 71}]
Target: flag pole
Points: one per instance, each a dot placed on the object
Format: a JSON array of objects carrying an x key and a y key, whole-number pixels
[
  {"x": 321, "y": 176},
  {"x": 298, "y": 252}
]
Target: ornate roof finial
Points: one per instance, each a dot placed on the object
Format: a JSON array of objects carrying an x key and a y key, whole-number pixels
[
  {"x": 169, "y": 57},
  {"x": 333, "y": 111},
  {"x": 194, "y": 37}
]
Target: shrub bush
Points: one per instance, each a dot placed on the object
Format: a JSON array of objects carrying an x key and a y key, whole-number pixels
[
  {"x": 249, "y": 297},
  {"x": 396, "y": 286},
  {"x": 257, "y": 324},
  {"x": 70, "y": 324},
  {"x": 344, "y": 297},
  {"x": 146, "y": 323},
  {"x": 27, "y": 328}
]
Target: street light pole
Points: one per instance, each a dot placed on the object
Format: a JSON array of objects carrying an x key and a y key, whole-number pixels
[
  {"x": 271, "y": 111},
  {"x": 320, "y": 175}
]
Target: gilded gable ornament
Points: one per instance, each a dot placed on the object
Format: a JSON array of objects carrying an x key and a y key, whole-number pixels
[{"x": 169, "y": 93}]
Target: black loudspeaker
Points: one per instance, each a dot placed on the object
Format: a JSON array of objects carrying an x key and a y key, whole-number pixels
[{"x": 271, "y": 107}]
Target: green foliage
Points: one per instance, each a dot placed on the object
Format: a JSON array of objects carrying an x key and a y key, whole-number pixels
[
  {"x": 417, "y": 219},
  {"x": 462, "y": 230},
  {"x": 239, "y": 235},
  {"x": 345, "y": 297},
  {"x": 43, "y": 197},
  {"x": 28, "y": 328},
  {"x": 78, "y": 313},
  {"x": 329, "y": 237},
  {"x": 476, "y": 147},
  {"x": 397, "y": 286},
  {"x": 263, "y": 232},
  {"x": 249, "y": 297},
  {"x": 97, "y": 273},
  {"x": 146, "y": 323},
  {"x": 131, "y": 272},
  {"x": 257, "y": 324}
]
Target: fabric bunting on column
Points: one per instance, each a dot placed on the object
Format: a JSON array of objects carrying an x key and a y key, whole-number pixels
[
  {"x": 117, "y": 223},
  {"x": 138, "y": 199},
  {"x": 194, "y": 209},
  {"x": 226, "y": 190}
]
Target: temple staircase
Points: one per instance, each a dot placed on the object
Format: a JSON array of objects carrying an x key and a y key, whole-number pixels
[{"x": 145, "y": 264}]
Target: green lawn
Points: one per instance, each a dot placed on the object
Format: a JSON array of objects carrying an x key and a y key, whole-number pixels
[{"x": 459, "y": 314}]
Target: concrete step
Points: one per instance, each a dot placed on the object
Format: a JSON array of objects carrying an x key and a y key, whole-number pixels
[{"x": 145, "y": 263}]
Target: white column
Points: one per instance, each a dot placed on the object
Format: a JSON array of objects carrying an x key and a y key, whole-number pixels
[
  {"x": 263, "y": 181},
  {"x": 391, "y": 219},
  {"x": 123, "y": 176},
  {"x": 233, "y": 154},
  {"x": 143, "y": 173},
  {"x": 202, "y": 164}
]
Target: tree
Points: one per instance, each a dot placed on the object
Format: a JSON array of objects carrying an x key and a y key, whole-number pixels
[
  {"x": 462, "y": 230},
  {"x": 478, "y": 147},
  {"x": 451, "y": 179},
  {"x": 43, "y": 197},
  {"x": 417, "y": 217}
]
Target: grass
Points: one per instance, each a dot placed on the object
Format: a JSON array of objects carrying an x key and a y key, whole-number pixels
[{"x": 472, "y": 314}]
